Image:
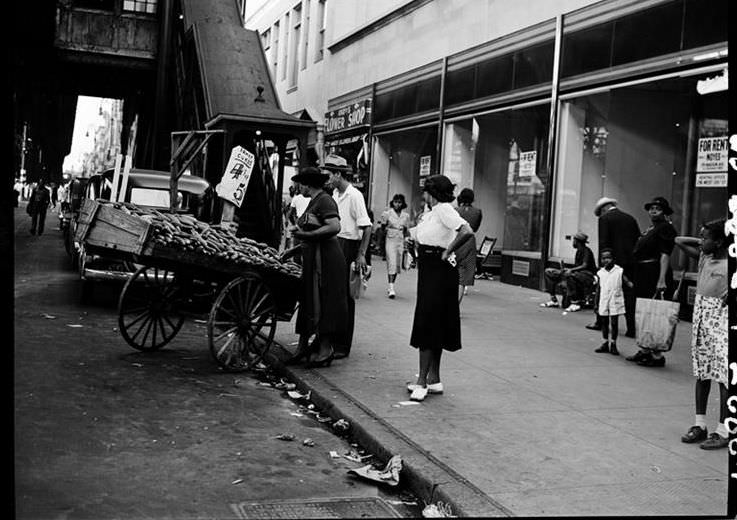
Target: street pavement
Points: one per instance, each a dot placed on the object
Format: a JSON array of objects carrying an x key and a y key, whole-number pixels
[
  {"x": 103, "y": 431},
  {"x": 532, "y": 421}
]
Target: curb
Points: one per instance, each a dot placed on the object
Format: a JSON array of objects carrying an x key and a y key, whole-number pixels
[{"x": 429, "y": 478}]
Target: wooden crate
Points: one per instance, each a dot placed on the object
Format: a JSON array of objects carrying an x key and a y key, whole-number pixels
[{"x": 101, "y": 225}]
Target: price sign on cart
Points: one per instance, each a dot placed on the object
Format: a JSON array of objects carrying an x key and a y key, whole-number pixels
[{"x": 234, "y": 183}]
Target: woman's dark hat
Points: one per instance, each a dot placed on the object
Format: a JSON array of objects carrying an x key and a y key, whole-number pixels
[
  {"x": 311, "y": 176},
  {"x": 662, "y": 202},
  {"x": 440, "y": 187}
]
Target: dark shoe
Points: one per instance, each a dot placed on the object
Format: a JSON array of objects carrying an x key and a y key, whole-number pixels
[
  {"x": 715, "y": 442},
  {"x": 629, "y": 334},
  {"x": 694, "y": 434},
  {"x": 593, "y": 326},
  {"x": 652, "y": 362},
  {"x": 604, "y": 348},
  {"x": 613, "y": 349},
  {"x": 341, "y": 355},
  {"x": 319, "y": 363},
  {"x": 638, "y": 356}
]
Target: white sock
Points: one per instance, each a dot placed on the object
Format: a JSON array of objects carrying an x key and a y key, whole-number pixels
[
  {"x": 700, "y": 421},
  {"x": 722, "y": 430},
  {"x": 391, "y": 286}
]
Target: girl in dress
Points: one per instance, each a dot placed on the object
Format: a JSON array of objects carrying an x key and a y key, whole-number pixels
[
  {"x": 395, "y": 222},
  {"x": 709, "y": 347},
  {"x": 611, "y": 300}
]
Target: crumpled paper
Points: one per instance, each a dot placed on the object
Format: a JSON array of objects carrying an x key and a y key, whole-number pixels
[{"x": 389, "y": 475}]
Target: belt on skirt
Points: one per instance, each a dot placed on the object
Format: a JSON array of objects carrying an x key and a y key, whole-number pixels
[{"x": 430, "y": 250}]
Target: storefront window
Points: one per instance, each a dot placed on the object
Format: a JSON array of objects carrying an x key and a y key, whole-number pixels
[
  {"x": 501, "y": 156},
  {"x": 401, "y": 162},
  {"x": 634, "y": 143}
]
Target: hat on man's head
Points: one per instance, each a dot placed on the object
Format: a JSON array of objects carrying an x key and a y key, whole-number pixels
[
  {"x": 336, "y": 163},
  {"x": 662, "y": 202},
  {"x": 311, "y": 176},
  {"x": 583, "y": 237},
  {"x": 601, "y": 203}
]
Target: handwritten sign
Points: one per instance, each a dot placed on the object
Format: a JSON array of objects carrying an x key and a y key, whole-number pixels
[
  {"x": 712, "y": 155},
  {"x": 234, "y": 183}
]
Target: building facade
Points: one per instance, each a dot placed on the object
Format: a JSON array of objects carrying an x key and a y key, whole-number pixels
[{"x": 540, "y": 107}]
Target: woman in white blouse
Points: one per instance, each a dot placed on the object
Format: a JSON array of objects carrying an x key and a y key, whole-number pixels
[
  {"x": 395, "y": 222},
  {"x": 437, "y": 323}
]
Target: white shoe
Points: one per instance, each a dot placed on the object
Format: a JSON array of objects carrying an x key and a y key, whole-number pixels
[
  {"x": 390, "y": 292},
  {"x": 418, "y": 394},
  {"x": 435, "y": 388}
]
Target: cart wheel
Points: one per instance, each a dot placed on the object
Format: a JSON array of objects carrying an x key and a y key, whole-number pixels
[
  {"x": 242, "y": 323},
  {"x": 148, "y": 309}
]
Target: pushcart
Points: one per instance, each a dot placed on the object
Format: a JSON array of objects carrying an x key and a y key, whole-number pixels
[{"x": 171, "y": 284}]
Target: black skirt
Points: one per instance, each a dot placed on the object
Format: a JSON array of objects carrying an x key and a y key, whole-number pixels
[{"x": 437, "y": 321}]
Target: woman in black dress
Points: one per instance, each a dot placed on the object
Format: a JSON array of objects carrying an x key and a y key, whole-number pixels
[
  {"x": 653, "y": 273},
  {"x": 437, "y": 323},
  {"x": 322, "y": 298}
]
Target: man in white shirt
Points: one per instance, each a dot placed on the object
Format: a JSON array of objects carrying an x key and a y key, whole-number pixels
[
  {"x": 298, "y": 205},
  {"x": 354, "y": 236}
]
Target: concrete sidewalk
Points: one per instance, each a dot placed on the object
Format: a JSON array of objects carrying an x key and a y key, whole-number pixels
[{"x": 532, "y": 422}]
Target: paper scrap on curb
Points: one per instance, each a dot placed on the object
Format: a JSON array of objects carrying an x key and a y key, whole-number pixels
[
  {"x": 308, "y": 442},
  {"x": 285, "y": 437},
  {"x": 294, "y": 394},
  {"x": 334, "y": 455},
  {"x": 408, "y": 403},
  {"x": 297, "y": 414},
  {"x": 74, "y": 325},
  {"x": 48, "y": 316},
  {"x": 237, "y": 481},
  {"x": 389, "y": 475}
]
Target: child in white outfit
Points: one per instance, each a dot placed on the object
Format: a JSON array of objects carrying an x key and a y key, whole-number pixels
[{"x": 611, "y": 299}]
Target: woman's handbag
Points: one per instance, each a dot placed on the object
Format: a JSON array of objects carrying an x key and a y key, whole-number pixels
[{"x": 655, "y": 322}]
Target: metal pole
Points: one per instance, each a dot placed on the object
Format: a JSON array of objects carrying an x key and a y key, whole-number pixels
[
  {"x": 441, "y": 109},
  {"x": 550, "y": 159}
]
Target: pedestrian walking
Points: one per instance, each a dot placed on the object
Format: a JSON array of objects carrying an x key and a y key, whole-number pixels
[
  {"x": 619, "y": 232},
  {"x": 466, "y": 253},
  {"x": 610, "y": 296},
  {"x": 354, "y": 237},
  {"x": 37, "y": 207},
  {"x": 395, "y": 224},
  {"x": 578, "y": 280},
  {"x": 653, "y": 273},
  {"x": 709, "y": 339},
  {"x": 322, "y": 297},
  {"x": 437, "y": 322}
]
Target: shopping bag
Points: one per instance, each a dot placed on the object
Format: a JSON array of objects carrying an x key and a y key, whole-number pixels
[
  {"x": 655, "y": 322},
  {"x": 357, "y": 283}
]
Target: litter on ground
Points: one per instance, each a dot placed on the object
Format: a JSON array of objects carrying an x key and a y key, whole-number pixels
[
  {"x": 285, "y": 437},
  {"x": 389, "y": 475}
]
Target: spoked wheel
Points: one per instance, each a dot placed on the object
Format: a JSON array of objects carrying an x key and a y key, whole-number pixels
[
  {"x": 148, "y": 309},
  {"x": 242, "y": 323}
]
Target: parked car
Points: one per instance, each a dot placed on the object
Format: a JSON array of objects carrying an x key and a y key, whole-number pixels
[{"x": 146, "y": 188}]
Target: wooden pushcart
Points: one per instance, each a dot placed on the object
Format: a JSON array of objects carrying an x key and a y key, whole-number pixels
[{"x": 245, "y": 301}]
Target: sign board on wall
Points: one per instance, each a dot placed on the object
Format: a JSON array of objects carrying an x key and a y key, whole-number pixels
[
  {"x": 234, "y": 183},
  {"x": 712, "y": 155},
  {"x": 349, "y": 116},
  {"x": 527, "y": 165},
  {"x": 711, "y": 180},
  {"x": 425, "y": 161}
]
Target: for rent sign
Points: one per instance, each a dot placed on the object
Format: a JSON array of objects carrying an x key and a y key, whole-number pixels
[
  {"x": 347, "y": 117},
  {"x": 712, "y": 155}
]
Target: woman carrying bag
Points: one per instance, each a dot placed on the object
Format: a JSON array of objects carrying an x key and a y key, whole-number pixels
[
  {"x": 653, "y": 273},
  {"x": 322, "y": 298},
  {"x": 437, "y": 323}
]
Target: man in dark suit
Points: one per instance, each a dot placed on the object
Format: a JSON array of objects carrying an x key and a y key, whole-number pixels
[{"x": 619, "y": 232}]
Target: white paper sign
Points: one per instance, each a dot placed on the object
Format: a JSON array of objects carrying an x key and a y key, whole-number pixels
[
  {"x": 711, "y": 180},
  {"x": 234, "y": 183},
  {"x": 712, "y": 155},
  {"x": 527, "y": 164},
  {"x": 425, "y": 165}
]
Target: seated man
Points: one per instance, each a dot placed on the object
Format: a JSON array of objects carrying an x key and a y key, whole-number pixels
[{"x": 578, "y": 280}]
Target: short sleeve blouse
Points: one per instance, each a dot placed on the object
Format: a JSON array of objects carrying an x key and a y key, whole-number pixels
[
  {"x": 712, "y": 277},
  {"x": 439, "y": 226},
  {"x": 660, "y": 238},
  {"x": 395, "y": 224},
  {"x": 322, "y": 206}
]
